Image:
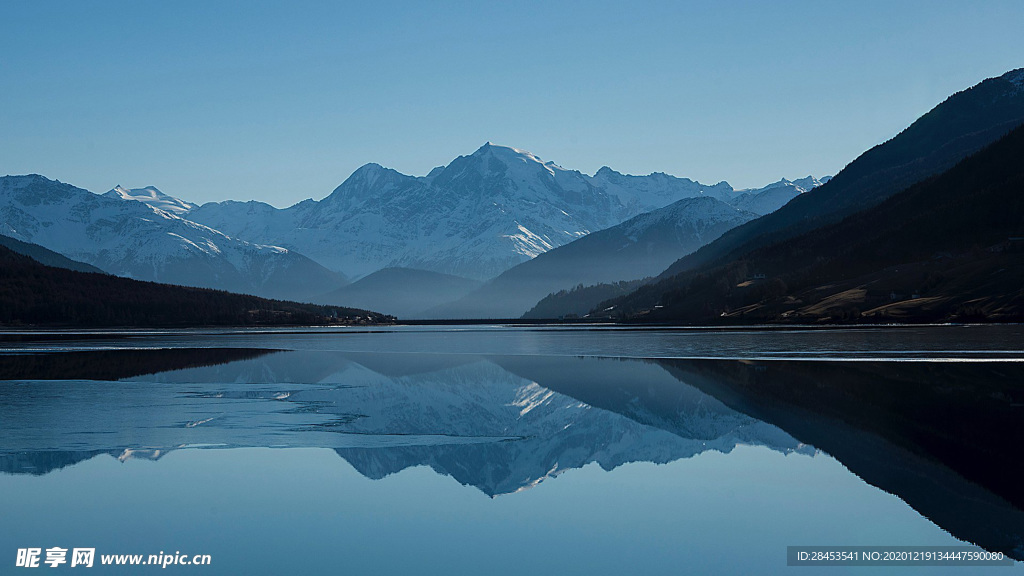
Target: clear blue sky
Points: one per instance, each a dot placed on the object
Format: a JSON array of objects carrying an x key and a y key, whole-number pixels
[{"x": 282, "y": 101}]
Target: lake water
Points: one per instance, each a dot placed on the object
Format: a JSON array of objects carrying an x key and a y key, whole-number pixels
[{"x": 495, "y": 450}]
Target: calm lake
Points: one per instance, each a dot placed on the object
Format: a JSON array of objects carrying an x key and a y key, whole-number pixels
[{"x": 497, "y": 450}]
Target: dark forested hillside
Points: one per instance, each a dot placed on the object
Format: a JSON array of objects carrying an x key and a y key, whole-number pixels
[
  {"x": 948, "y": 248},
  {"x": 961, "y": 125},
  {"x": 34, "y": 294},
  {"x": 45, "y": 256},
  {"x": 577, "y": 302}
]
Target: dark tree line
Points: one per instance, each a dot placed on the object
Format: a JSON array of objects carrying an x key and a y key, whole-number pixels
[{"x": 34, "y": 294}]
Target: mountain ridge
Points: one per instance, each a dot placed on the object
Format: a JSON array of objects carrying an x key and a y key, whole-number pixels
[
  {"x": 133, "y": 239},
  {"x": 961, "y": 124},
  {"x": 475, "y": 217}
]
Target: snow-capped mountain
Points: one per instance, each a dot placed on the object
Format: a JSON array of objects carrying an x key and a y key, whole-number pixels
[
  {"x": 765, "y": 200},
  {"x": 137, "y": 240},
  {"x": 639, "y": 247},
  {"x": 480, "y": 215},
  {"x": 153, "y": 197},
  {"x": 643, "y": 193},
  {"x": 476, "y": 217}
]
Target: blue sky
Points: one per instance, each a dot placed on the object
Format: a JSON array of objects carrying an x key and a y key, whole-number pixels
[{"x": 282, "y": 101}]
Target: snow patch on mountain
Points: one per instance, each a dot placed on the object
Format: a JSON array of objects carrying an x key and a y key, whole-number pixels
[
  {"x": 529, "y": 244},
  {"x": 134, "y": 239},
  {"x": 702, "y": 219},
  {"x": 639, "y": 247},
  {"x": 151, "y": 196}
]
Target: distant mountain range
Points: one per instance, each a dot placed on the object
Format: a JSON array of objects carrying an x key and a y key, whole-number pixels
[
  {"x": 476, "y": 217},
  {"x": 485, "y": 212},
  {"x": 527, "y": 228},
  {"x": 140, "y": 241},
  {"x": 467, "y": 222},
  {"x": 641, "y": 246}
]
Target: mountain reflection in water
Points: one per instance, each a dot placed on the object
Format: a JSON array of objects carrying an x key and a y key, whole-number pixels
[{"x": 943, "y": 437}]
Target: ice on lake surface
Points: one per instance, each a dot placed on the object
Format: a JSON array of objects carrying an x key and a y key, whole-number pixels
[{"x": 471, "y": 450}]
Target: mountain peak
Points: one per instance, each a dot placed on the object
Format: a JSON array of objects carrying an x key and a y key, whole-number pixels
[
  {"x": 809, "y": 182},
  {"x": 370, "y": 167},
  {"x": 152, "y": 196},
  {"x": 506, "y": 153},
  {"x": 487, "y": 147},
  {"x": 26, "y": 179},
  {"x": 149, "y": 191},
  {"x": 370, "y": 173},
  {"x": 369, "y": 180}
]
